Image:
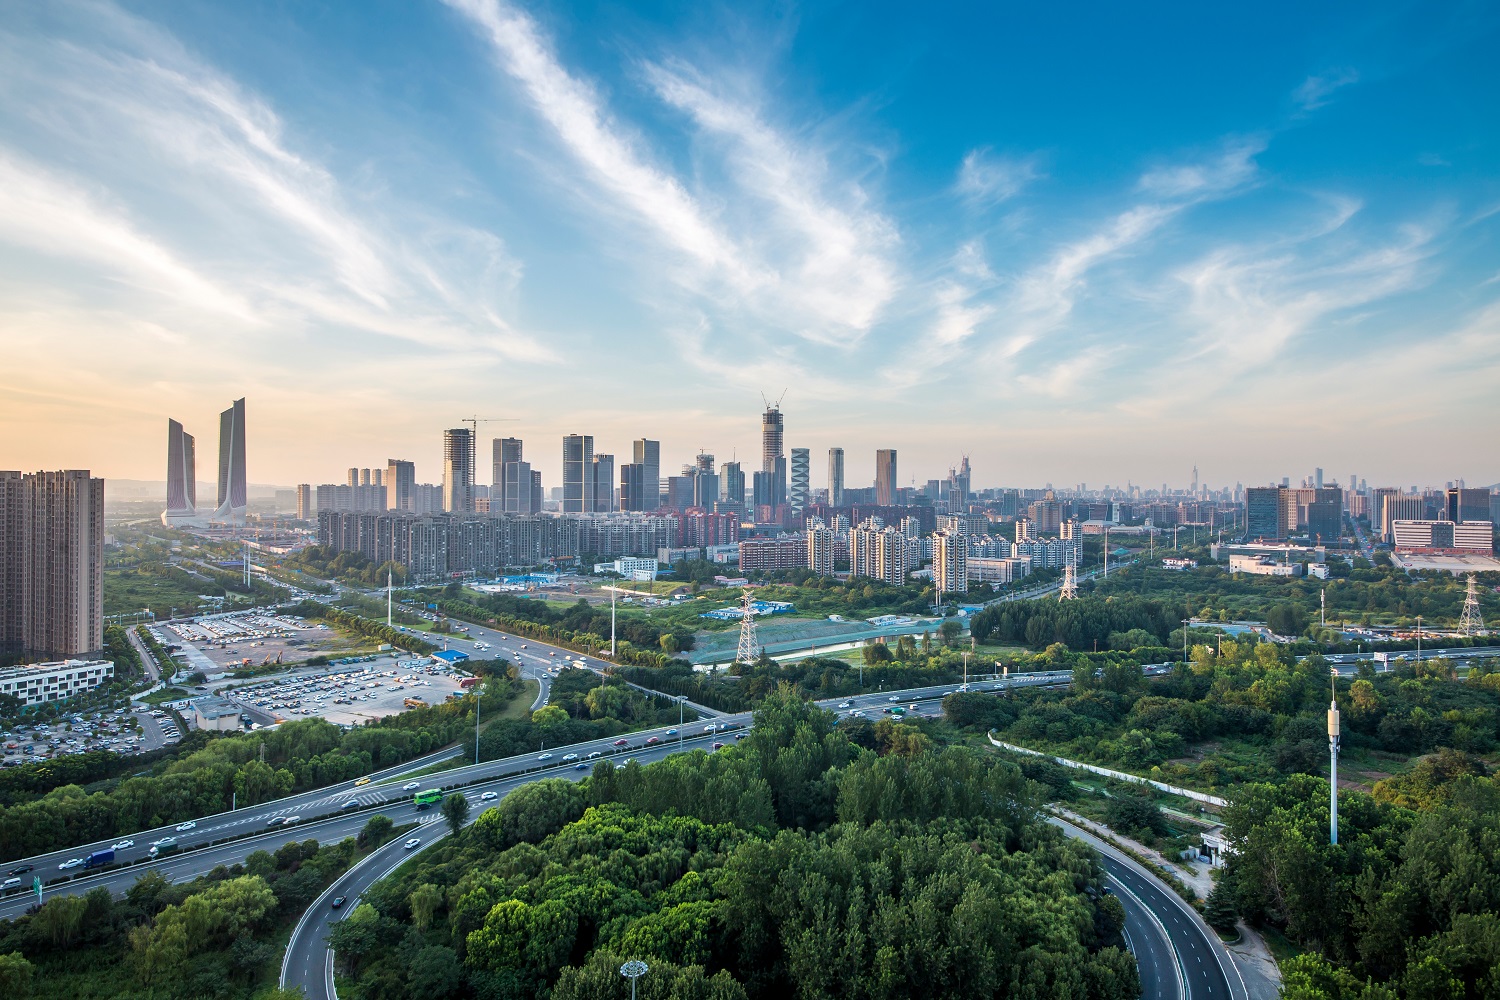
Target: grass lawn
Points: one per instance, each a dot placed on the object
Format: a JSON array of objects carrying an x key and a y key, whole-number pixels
[
  {"x": 127, "y": 590},
  {"x": 165, "y": 695}
]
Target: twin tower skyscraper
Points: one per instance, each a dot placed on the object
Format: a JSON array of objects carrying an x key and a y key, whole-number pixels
[{"x": 182, "y": 471}]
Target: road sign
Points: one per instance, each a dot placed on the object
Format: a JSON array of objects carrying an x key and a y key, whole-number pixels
[{"x": 36, "y": 887}]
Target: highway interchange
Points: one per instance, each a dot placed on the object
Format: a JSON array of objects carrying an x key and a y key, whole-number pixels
[{"x": 1178, "y": 956}]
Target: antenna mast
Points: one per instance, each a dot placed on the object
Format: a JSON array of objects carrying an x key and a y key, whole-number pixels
[{"x": 1333, "y": 759}]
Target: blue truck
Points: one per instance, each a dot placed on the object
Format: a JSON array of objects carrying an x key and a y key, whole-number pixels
[{"x": 99, "y": 858}]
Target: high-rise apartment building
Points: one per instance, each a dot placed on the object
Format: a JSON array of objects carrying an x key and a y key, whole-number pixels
[
  {"x": 820, "y": 549},
  {"x": 877, "y": 552},
  {"x": 647, "y": 454},
  {"x": 233, "y": 490},
  {"x": 352, "y": 478},
  {"x": 835, "y": 477},
  {"x": 51, "y": 564},
  {"x": 512, "y": 478},
  {"x": 458, "y": 470},
  {"x": 1265, "y": 513},
  {"x": 1045, "y": 514},
  {"x": 797, "y": 496},
  {"x": 885, "y": 477},
  {"x": 182, "y": 476},
  {"x": 950, "y": 562},
  {"x": 578, "y": 473},
  {"x": 604, "y": 483},
  {"x": 400, "y": 484},
  {"x": 772, "y": 457}
]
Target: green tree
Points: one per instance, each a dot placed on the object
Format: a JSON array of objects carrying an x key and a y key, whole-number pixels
[
  {"x": 876, "y": 653},
  {"x": 15, "y": 976},
  {"x": 455, "y": 810},
  {"x": 425, "y": 901},
  {"x": 377, "y": 831}
]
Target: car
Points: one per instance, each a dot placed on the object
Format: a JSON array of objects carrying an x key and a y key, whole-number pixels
[
  {"x": 718, "y": 746},
  {"x": 580, "y": 766},
  {"x": 70, "y": 863},
  {"x": 710, "y": 728},
  {"x": 361, "y": 781},
  {"x": 622, "y": 743},
  {"x": 22, "y": 870},
  {"x": 411, "y": 786},
  {"x": 551, "y": 654},
  {"x": 8, "y": 883},
  {"x": 413, "y": 843},
  {"x": 545, "y": 756},
  {"x": 593, "y": 755},
  {"x": 338, "y": 901},
  {"x": 275, "y": 821},
  {"x": 844, "y": 704},
  {"x": 671, "y": 732},
  {"x": 122, "y": 845},
  {"x": 184, "y": 827},
  {"x": 653, "y": 740},
  {"x": 893, "y": 698},
  {"x": 489, "y": 796},
  {"x": 352, "y": 804},
  {"x": 570, "y": 756}
]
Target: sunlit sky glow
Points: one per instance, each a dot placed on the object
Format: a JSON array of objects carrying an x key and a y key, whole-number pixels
[{"x": 1080, "y": 243}]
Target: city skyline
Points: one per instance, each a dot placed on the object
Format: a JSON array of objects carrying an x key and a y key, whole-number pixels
[{"x": 994, "y": 233}]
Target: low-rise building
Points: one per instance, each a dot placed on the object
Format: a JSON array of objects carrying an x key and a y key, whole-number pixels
[
  {"x": 990, "y": 570},
  {"x": 1174, "y": 563},
  {"x": 216, "y": 715},
  {"x": 1263, "y": 566},
  {"x": 38, "y": 683}
]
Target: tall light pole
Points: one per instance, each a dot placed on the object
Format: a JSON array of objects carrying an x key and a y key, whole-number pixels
[
  {"x": 613, "y": 591},
  {"x": 478, "y": 693},
  {"x": 1184, "y": 639},
  {"x": 1333, "y": 762},
  {"x": 1419, "y": 643},
  {"x": 633, "y": 970}
]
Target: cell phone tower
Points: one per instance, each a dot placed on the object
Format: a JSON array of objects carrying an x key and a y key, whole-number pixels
[
  {"x": 749, "y": 650},
  {"x": 1333, "y": 761},
  {"x": 1471, "y": 622}
]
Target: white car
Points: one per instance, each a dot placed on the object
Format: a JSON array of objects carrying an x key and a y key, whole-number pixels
[
  {"x": 893, "y": 698},
  {"x": 184, "y": 827},
  {"x": 488, "y": 796},
  {"x": 545, "y": 756},
  {"x": 71, "y": 863},
  {"x": 710, "y": 728},
  {"x": 413, "y": 843},
  {"x": 410, "y": 785},
  {"x": 122, "y": 845},
  {"x": 843, "y": 704},
  {"x": 570, "y": 756},
  {"x": 10, "y": 882}
]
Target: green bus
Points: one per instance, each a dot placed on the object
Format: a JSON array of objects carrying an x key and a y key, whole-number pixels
[{"x": 429, "y": 797}]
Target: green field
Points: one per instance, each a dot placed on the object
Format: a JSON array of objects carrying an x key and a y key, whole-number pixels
[{"x": 127, "y": 590}]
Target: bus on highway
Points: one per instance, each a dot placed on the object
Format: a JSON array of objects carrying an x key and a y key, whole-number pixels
[{"x": 427, "y": 797}]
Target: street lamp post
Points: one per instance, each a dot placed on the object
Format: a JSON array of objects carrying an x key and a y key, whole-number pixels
[
  {"x": 633, "y": 970},
  {"x": 478, "y": 693},
  {"x": 1184, "y": 639}
]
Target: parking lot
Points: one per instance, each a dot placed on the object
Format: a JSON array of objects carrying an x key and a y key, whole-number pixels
[
  {"x": 348, "y": 694},
  {"x": 229, "y": 642},
  {"x": 113, "y": 731}
]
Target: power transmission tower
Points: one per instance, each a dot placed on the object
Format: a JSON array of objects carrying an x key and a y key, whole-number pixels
[
  {"x": 1069, "y": 589},
  {"x": 1471, "y": 621},
  {"x": 749, "y": 650}
]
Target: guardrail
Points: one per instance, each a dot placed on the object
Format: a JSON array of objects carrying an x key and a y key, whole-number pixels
[{"x": 1106, "y": 772}]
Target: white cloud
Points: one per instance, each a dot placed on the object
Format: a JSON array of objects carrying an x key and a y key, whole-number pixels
[
  {"x": 1316, "y": 90},
  {"x": 985, "y": 179},
  {"x": 1231, "y": 169}
]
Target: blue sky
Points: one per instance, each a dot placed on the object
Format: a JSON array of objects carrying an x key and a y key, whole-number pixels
[{"x": 1090, "y": 243}]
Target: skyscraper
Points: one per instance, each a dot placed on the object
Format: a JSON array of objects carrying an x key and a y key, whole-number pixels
[
  {"x": 732, "y": 484},
  {"x": 578, "y": 473},
  {"x": 797, "y": 496},
  {"x": 632, "y": 487},
  {"x": 512, "y": 478},
  {"x": 51, "y": 564},
  {"x": 304, "y": 501},
  {"x": 647, "y": 454},
  {"x": 885, "y": 477},
  {"x": 950, "y": 562},
  {"x": 458, "y": 470},
  {"x": 400, "y": 484},
  {"x": 836, "y": 477},
  {"x": 772, "y": 458},
  {"x": 232, "y": 488},
  {"x": 182, "y": 476},
  {"x": 1265, "y": 513},
  {"x": 604, "y": 483}
]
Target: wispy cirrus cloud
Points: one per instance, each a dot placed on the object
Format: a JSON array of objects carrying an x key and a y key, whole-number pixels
[
  {"x": 1318, "y": 89},
  {"x": 986, "y": 179},
  {"x": 804, "y": 261},
  {"x": 204, "y": 170}
]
